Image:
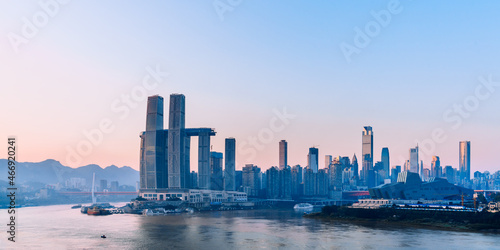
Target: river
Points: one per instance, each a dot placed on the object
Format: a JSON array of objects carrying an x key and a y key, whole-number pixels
[{"x": 59, "y": 227}]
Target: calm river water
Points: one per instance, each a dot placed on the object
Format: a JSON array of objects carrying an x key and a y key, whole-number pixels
[{"x": 59, "y": 227}]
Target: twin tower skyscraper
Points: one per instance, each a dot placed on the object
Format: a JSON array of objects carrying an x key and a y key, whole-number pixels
[{"x": 165, "y": 154}]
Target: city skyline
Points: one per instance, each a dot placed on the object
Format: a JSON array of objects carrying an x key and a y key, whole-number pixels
[{"x": 408, "y": 83}]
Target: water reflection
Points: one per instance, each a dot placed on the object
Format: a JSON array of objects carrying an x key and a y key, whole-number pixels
[{"x": 250, "y": 229}]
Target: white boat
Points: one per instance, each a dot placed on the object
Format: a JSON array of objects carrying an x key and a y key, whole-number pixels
[{"x": 303, "y": 207}]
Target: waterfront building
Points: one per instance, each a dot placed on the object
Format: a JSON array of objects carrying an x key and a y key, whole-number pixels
[
  {"x": 216, "y": 179},
  {"x": 296, "y": 174},
  {"x": 272, "y": 179},
  {"x": 229, "y": 164},
  {"x": 153, "y": 154},
  {"x": 194, "y": 196},
  {"x": 310, "y": 182},
  {"x": 410, "y": 186},
  {"x": 238, "y": 179},
  {"x": 285, "y": 183},
  {"x": 194, "y": 179},
  {"x": 251, "y": 180},
  {"x": 165, "y": 154}
]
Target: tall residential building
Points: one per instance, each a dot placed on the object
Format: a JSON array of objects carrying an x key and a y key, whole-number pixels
[
  {"x": 328, "y": 161},
  {"x": 229, "y": 164},
  {"x": 414, "y": 163},
  {"x": 283, "y": 154},
  {"x": 296, "y": 180},
  {"x": 386, "y": 162},
  {"x": 312, "y": 159},
  {"x": 178, "y": 172},
  {"x": 310, "y": 182},
  {"x": 272, "y": 180},
  {"x": 367, "y": 152},
  {"x": 153, "y": 154},
  {"x": 251, "y": 180},
  {"x": 435, "y": 167},
  {"x": 322, "y": 182},
  {"x": 464, "y": 161},
  {"x": 216, "y": 179},
  {"x": 285, "y": 183},
  {"x": 336, "y": 169}
]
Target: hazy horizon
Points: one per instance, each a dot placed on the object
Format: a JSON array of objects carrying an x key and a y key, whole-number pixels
[{"x": 88, "y": 68}]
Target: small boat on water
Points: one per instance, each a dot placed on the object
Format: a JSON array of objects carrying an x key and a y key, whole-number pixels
[
  {"x": 98, "y": 211},
  {"x": 303, "y": 207},
  {"x": 76, "y": 206}
]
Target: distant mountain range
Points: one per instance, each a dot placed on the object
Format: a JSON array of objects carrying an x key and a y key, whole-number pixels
[{"x": 53, "y": 172}]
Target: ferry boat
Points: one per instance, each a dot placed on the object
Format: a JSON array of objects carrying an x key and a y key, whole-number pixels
[
  {"x": 303, "y": 207},
  {"x": 97, "y": 211}
]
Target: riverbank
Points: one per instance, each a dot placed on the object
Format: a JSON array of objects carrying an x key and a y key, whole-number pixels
[{"x": 444, "y": 220}]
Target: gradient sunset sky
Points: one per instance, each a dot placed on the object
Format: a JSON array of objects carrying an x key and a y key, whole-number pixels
[{"x": 237, "y": 68}]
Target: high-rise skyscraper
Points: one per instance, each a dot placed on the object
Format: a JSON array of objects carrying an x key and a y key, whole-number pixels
[
  {"x": 178, "y": 172},
  {"x": 367, "y": 152},
  {"x": 283, "y": 154},
  {"x": 414, "y": 163},
  {"x": 165, "y": 154},
  {"x": 312, "y": 159},
  {"x": 216, "y": 179},
  {"x": 153, "y": 155},
  {"x": 386, "y": 162},
  {"x": 229, "y": 164},
  {"x": 464, "y": 161}
]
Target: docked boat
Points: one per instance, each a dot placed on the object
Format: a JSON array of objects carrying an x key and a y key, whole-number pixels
[
  {"x": 76, "y": 206},
  {"x": 97, "y": 211},
  {"x": 84, "y": 209},
  {"x": 303, "y": 207}
]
